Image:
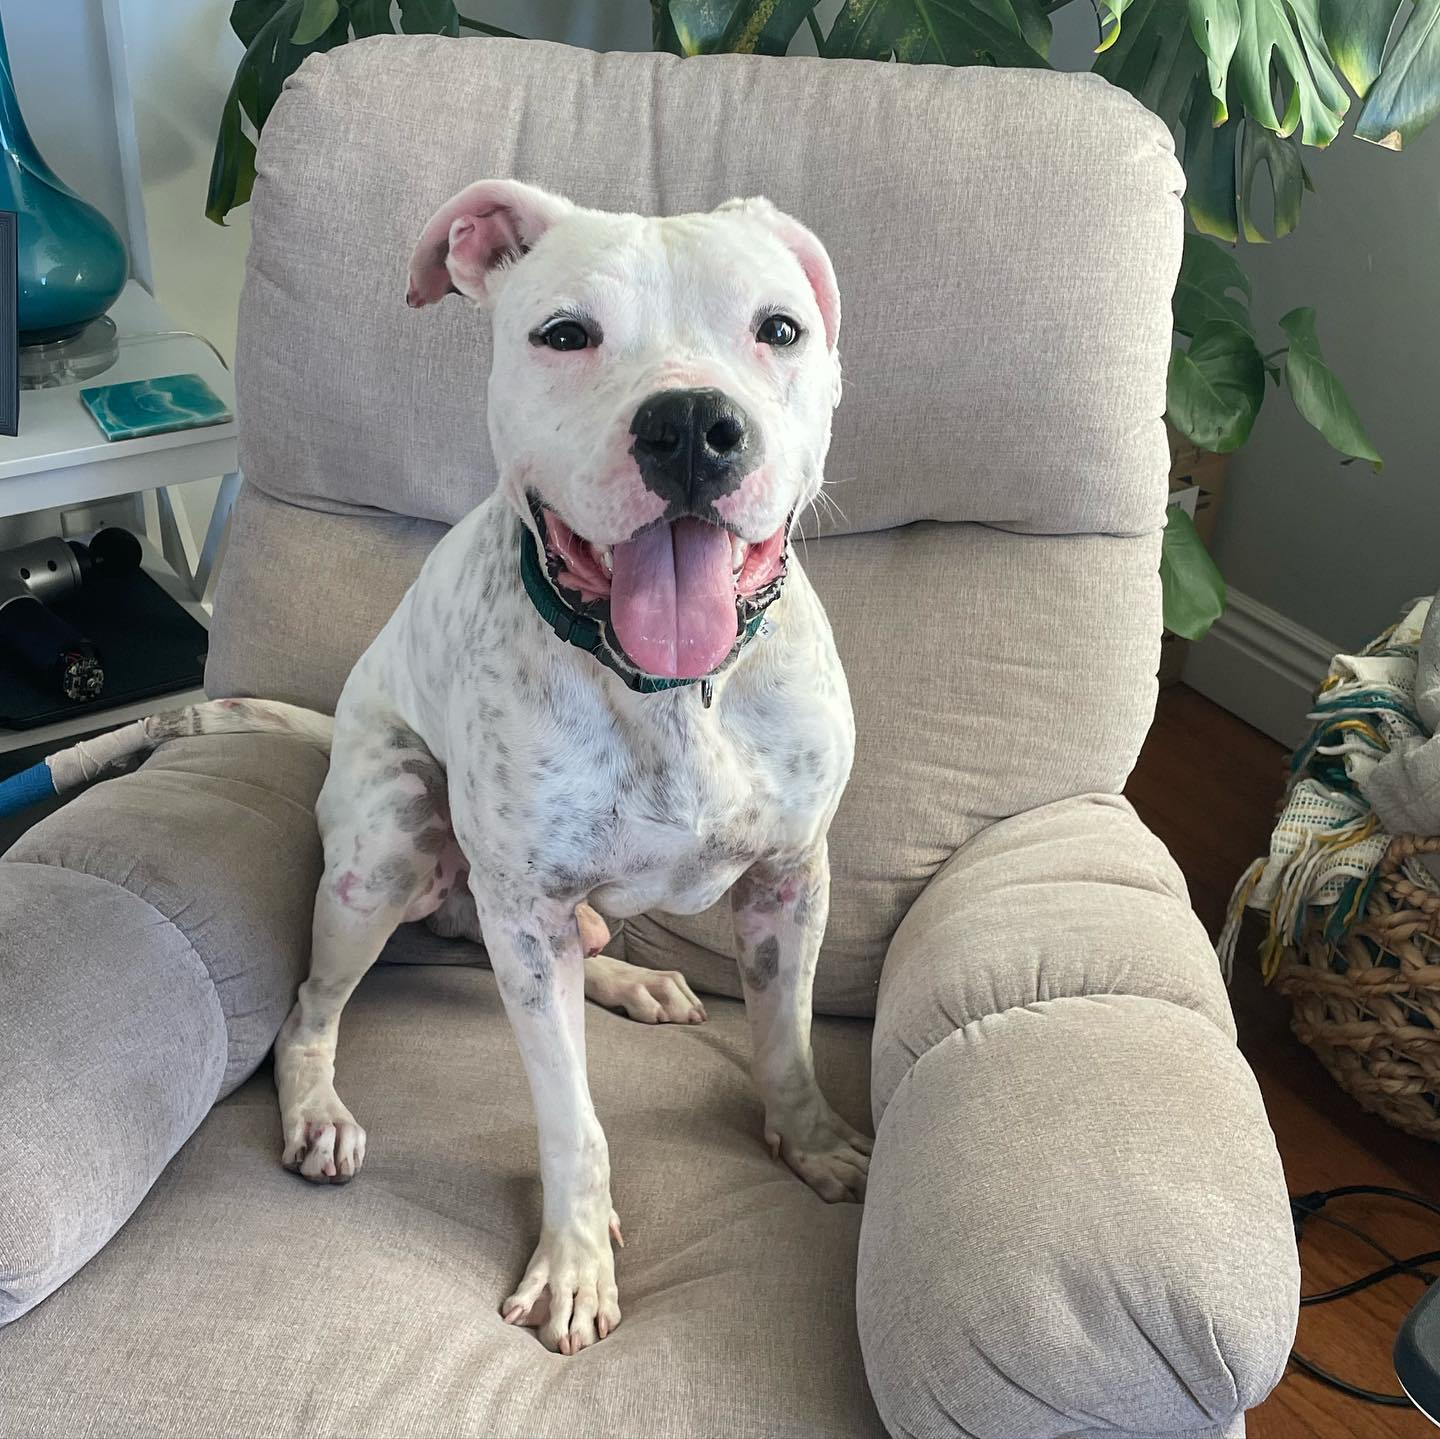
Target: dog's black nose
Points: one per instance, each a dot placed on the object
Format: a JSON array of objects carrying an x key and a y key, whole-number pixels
[{"x": 693, "y": 446}]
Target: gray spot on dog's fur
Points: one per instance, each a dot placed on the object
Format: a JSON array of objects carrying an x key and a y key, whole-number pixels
[
  {"x": 760, "y": 965},
  {"x": 415, "y": 812},
  {"x": 534, "y": 977},
  {"x": 394, "y": 879},
  {"x": 754, "y": 894}
]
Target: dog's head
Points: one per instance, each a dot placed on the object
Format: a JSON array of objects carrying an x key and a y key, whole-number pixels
[{"x": 659, "y": 401}]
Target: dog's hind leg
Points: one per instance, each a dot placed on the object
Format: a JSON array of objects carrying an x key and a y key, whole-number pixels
[
  {"x": 389, "y": 857},
  {"x": 652, "y": 996}
]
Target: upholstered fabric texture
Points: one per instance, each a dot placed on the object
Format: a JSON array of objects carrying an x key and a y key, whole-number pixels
[
  {"x": 152, "y": 934},
  {"x": 1056, "y": 1079},
  {"x": 1005, "y": 244},
  {"x": 242, "y": 1301}
]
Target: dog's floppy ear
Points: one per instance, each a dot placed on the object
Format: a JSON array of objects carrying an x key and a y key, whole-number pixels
[
  {"x": 806, "y": 247},
  {"x": 475, "y": 232}
]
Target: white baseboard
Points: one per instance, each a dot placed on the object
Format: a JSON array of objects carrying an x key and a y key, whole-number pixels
[{"x": 1261, "y": 666}]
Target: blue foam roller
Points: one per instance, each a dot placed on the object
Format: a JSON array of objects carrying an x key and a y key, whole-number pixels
[{"x": 28, "y": 787}]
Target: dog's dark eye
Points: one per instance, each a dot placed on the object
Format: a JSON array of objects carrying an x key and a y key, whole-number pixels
[
  {"x": 562, "y": 335},
  {"x": 778, "y": 330}
]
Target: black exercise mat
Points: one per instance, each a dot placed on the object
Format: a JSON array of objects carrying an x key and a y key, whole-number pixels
[{"x": 147, "y": 642}]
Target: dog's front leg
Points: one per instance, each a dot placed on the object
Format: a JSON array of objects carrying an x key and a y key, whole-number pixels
[
  {"x": 568, "y": 1291},
  {"x": 780, "y": 911}
]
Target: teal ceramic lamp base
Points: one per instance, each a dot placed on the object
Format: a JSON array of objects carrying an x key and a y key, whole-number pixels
[{"x": 81, "y": 356}]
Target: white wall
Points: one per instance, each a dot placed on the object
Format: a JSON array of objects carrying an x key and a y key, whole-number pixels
[{"x": 180, "y": 59}]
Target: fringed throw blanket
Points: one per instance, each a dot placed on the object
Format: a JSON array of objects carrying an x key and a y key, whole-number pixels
[{"x": 1368, "y": 764}]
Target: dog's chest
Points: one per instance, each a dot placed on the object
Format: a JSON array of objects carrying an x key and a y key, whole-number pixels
[{"x": 673, "y": 812}]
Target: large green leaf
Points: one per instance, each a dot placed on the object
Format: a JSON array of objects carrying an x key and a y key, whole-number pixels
[
  {"x": 701, "y": 24},
  {"x": 232, "y": 169},
  {"x": 1110, "y": 14},
  {"x": 1357, "y": 31},
  {"x": 370, "y": 17},
  {"x": 946, "y": 32},
  {"x": 1204, "y": 294},
  {"x": 1215, "y": 24},
  {"x": 429, "y": 17},
  {"x": 1281, "y": 159},
  {"x": 1215, "y": 388},
  {"x": 1154, "y": 57},
  {"x": 1406, "y": 97},
  {"x": 763, "y": 27},
  {"x": 1210, "y": 170},
  {"x": 767, "y": 28},
  {"x": 662, "y": 29},
  {"x": 1192, "y": 588},
  {"x": 268, "y": 62},
  {"x": 1027, "y": 18},
  {"x": 247, "y": 17},
  {"x": 316, "y": 17},
  {"x": 1251, "y": 51},
  {"x": 862, "y": 30},
  {"x": 1318, "y": 394},
  {"x": 1281, "y": 40}
]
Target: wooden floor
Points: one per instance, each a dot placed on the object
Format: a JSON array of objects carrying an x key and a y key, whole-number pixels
[{"x": 1207, "y": 784}]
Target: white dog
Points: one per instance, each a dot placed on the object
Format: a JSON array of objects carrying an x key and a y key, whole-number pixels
[{"x": 659, "y": 408}]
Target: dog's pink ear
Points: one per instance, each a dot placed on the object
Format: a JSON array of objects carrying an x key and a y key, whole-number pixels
[
  {"x": 472, "y": 234},
  {"x": 805, "y": 245}
]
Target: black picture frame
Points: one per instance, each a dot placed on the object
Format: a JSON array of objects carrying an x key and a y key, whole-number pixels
[{"x": 9, "y": 324}]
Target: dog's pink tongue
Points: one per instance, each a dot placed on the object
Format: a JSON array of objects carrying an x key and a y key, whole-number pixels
[{"x": 672, "y": 599}]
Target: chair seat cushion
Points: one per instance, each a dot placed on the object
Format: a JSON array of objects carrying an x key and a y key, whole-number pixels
[
  {"x": 152, "y": 935},
  {"x": 240, "y": 1300}
]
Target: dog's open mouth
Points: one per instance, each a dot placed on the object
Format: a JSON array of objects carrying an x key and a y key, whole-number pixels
[{"x": 676, "y": 596}]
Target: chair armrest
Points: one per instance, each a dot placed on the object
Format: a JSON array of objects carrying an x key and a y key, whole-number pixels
[
  {"x": 152, "y": 935},
  {"x": 1077, "y": 1220}
]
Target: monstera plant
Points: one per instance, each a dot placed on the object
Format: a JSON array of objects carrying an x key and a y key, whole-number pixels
[{"x": 1245, "y": 85}]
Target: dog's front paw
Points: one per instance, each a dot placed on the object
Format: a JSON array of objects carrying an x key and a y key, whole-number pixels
[
  {"x": 325, "y": 1148},
  {"x": 568, "y": 1292},
  {"x": 831, "y": 1156},
  {"x": 653, "y": 996}
]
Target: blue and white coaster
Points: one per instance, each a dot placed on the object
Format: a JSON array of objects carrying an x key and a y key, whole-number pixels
[{"x": 136, "y": 408}]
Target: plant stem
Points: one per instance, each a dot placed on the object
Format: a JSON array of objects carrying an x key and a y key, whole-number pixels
[
  {"x": 485, "y": 29},
  {"x": 820, "y": 35}
]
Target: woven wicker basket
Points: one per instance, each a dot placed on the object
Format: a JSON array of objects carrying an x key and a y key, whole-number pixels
[{"x": 1369, "y": 1004}]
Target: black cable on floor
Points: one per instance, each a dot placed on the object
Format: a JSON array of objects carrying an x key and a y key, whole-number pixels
[{"x": 1304, "y": 1207}]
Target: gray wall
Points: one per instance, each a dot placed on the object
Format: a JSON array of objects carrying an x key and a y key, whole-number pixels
[{"x": 1340, "y": 549}]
